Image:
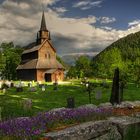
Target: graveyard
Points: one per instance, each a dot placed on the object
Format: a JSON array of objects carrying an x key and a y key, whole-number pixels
[
  {"x": 12, "y": 101},
  {"x": 35, "y": 100}
]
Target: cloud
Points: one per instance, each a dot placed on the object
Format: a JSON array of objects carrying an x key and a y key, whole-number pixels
[
  {"x": 81, "y": 3},
  {"x": 96, "y": 3},
  {"x": 106, "y": 28},
  {"x": 106, "y": 20},
  {"x": 84, "y": 5},
  {"x": 60, "y": 9},
  {"x": 134, "y": 23}
]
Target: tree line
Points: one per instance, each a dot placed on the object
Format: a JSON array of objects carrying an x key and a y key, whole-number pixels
[{"x": 123, "y": 54}]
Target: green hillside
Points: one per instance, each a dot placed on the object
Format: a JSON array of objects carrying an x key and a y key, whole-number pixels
[{"x": 124, "y": 53}]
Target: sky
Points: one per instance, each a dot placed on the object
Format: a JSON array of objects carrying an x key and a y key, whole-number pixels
[{"x": 76, "y": 26}]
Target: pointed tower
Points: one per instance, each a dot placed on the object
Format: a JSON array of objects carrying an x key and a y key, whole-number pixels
[
  {"x": 43, "y": 23},
  {"x": 43, "y": 33}
]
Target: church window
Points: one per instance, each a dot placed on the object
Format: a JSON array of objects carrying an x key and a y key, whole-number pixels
[
  {"x": 49, "y": 55},
  {"x": 45, "y": 55}
]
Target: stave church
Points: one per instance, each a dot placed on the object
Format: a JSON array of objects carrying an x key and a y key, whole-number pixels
[{"x": 38, "y": 60}]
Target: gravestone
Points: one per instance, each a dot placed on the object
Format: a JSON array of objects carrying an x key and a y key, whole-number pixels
[
  {"x": 32, "y": 89},
  {"x": 23, "y": 84},
  {"x": 98, "y": 94},
  {"x": 4, "y": 91},
  {"x": 70, "y": 102},
  {"x": 43, "y": 88},
  {"x": 20, "y": 84},
  {"x": 19, "y": 89},
  {"x": 12, "y": 84},
  {"x": 27, "y": 104},
  {"x": 115, "y": 95},
  {"x": 40, "y": 85},
  {"x": 30, "y": 84},
  {"x": 55, "y": 86}
]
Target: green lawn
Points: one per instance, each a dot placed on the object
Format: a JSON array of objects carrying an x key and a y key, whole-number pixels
[{"x": 43, "y": 101}]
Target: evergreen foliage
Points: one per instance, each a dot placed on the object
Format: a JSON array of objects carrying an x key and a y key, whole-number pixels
[
  {"x": 81, "y": 69},
  {"x": 9, "y": 60},
  {"x": 124, "y": 54}
]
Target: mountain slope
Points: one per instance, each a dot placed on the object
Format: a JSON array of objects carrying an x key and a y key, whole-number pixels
[{"x": 124, "y": 53}]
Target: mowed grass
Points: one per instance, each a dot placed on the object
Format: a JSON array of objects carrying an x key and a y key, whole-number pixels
[{"x": 11, "y": 101}]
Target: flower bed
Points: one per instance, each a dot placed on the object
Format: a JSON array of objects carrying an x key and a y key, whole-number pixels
[
  {"x": 34, "y": 127},
  {"x": 43, "y": 122}
]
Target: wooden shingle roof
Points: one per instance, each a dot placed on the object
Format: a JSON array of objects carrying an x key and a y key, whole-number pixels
[
  {"x": 41, "y": 64},
  {"x": 50, "y": 71},
  {"x": 37, "y": 47},
  {"x": 28, "y": 64}
]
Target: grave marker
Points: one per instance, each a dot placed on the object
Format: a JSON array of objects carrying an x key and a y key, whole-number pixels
[
  {"x": 27, "y": 104},
  {"x": 4, "y": 91},
  {"x": 32, "y": 89},
  {"x": 43, "y": 88},
  {"x": 55, "y": 84},
  {"x": 115, "y": 95},
  {"x": 30, "y": 84},
  {"x": 70, "y": 102},
  {"x": 12, "y": 84},
  {"x": 19, "y": 87},
  {"x": 98, "y": 94}
]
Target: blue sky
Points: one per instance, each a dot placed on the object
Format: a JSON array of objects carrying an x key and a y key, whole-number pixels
[
  {"x": 124, "y": 11},
  {"x": 76, "y": 26}
]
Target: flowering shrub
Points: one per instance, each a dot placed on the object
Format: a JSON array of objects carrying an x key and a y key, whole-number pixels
[{"x": 26, "y": 128}]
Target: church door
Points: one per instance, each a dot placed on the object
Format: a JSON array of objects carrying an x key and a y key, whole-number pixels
[{"x": 48, "y": 77}]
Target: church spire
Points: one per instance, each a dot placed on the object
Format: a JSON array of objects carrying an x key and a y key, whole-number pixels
[
  {"x": 43, "y": 33},
  {"x": 43, "y": 23}
]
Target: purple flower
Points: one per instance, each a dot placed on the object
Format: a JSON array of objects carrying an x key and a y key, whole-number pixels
[{"x": 28, "y": 127}]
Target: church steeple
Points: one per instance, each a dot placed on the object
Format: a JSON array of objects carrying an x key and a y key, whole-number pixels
[
  {"x": 43, "y": 33},
  {"x": 43, "y": 23}
]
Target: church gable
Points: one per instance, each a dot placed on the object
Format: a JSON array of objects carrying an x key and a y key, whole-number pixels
[{"x": 46, "y": 51}]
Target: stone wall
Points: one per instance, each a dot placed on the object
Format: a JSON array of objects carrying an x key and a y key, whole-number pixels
[
  {"x": 85, "y": 131},
  {"x": 115, "y": 128}
]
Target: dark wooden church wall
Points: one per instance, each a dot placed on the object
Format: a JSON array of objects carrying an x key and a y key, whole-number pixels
[
  {"x": 32, "y": 55},
  {"x": 27, "y": 74}
]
